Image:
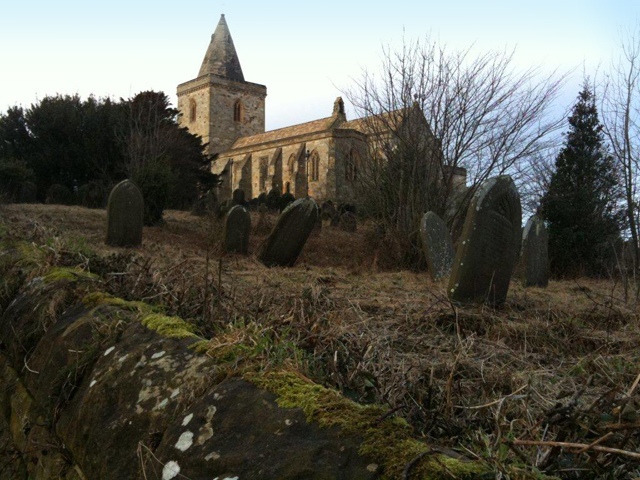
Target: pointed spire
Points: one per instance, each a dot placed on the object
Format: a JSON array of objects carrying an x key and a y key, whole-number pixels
[{"x": 221, "y": 58}]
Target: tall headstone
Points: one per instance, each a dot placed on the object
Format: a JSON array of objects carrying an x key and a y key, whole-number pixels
[
  {"x": 436, "y": 245},
  {"x": 237, "y": 197},
  {"x": 283, "y": 246},
  {"x": 125, "y": 214},
  {"x": 535, "y": 253},
  {"x": 348, "y": 222},
  {"x": 263, "y": 222},
  {"x": 489, "y": 245},
  {"x": 237, "y": 227}
]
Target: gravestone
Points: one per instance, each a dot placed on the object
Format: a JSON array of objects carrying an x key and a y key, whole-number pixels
[
  {"x": 286, "y": 200},
  {"x": 535, "y": 255},
  {"x": 262, "y": 198},
  {"x": 328, "y": 211},
  {"x": 273, "y": 199},
  {"x": 206, "y": 205},
  {"x": 263, "y": 222},
  {"x": 125, "y": 214},
  {"x": 283, "y": 246},
  {"x": 348, "y": 222},
  {"x": 237, "y": 198},
  {"x": 237, "y": 227},
  {"x": 436, "y": 245},
  {"x": 489, "y": 245}
]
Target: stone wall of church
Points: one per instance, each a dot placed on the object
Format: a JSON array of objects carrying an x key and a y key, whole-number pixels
[
  {"x": 200, "y": 97},
  {"x": 224, "y": 129},
  {"x": 215, "y": 100},
  {"x": 285, "y": 166},
  {"x": 345, "y": 182}
]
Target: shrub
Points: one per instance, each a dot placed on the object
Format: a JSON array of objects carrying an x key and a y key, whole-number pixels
[
  {"x": 28, "y": 193},
  {"x": 13, "y": 173},
  {"x": 92, "y": 195},
  {"x": 154, "y": 180},
  {"x": 58, "y": 194}
]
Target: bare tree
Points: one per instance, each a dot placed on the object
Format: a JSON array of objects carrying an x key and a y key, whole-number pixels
[
  {"x": 620, "y": 109},
  {"x": 432, "y": 112},
  {"x": 148, "y": 136}
]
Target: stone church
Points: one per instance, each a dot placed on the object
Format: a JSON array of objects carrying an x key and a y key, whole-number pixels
[{"x": 318, "y": 158}]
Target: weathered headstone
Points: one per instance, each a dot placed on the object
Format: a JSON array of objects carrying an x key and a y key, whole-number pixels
[
  {"x": 535, "y": 254},
  {"x": 273, "y": 199},
  {"x": 286, "y": 200},
  {"x": 262, "y": 198},
  {"x": 237, "y": 227},
  {"x": 206, "y": 205},
  {"x": 263, "y": 225},
  {"x": 125, "y": 214},
  {"x": 283, "y": 246},
  {"x": 237, "y": 197},
  {"x": 436, "y": 245},
  {"x": 348, "y": 222},
  {"x": 328, "y": 211},
  {"x": 489, "y": 245}
]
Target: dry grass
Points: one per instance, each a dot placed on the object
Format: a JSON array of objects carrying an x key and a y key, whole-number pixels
[{"x": 553, "y": 364}]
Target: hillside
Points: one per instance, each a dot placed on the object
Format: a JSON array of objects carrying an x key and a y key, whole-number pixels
[{"x": 552, "y": 365}]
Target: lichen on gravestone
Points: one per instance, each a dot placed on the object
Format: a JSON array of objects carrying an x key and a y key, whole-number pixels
[
  {"x": 237, "y": 228},
  {"x": 489, "y": 244},
  {"x": 125, "y": 215},
  {"x": 535, "y": 255},
  {"x": 436, "y": 245}
]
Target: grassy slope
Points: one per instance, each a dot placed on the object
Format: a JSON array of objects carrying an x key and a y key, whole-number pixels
[{"x": 386, "y": 335}]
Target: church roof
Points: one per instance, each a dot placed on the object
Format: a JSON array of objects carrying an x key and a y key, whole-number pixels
[
  {"x": 287, "y": 132},
  {"x": 221, "y": 58},
  {"x": 375, "y": 124}
]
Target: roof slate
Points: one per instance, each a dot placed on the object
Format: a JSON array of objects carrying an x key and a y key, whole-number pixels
[{"x": 221, "y": 58}]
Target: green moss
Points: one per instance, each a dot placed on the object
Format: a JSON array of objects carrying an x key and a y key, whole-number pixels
[
  {"x": 173, "y": 327},
  {"x": 71, "y": 274},
  {"x": 388, "y": 442},
  {"x": 95, "y": 299}
]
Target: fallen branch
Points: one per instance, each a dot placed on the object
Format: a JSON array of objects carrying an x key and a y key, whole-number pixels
[{"x": 582, "y": 447}]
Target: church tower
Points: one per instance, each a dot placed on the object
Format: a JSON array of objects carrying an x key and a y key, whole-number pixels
[{"x": 219, "y": 105}]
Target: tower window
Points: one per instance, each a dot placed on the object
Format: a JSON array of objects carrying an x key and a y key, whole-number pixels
[
  {"x": 315, "y": 166},
  {"x": 192, "y": 110},
  {"x": 238, "y": 111}
]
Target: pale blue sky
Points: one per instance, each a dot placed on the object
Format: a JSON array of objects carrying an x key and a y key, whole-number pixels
[{"x": 304, "y": 52}]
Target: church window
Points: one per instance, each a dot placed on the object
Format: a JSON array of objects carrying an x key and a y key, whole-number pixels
[
  {"x": 264, "y": 171},
  {"x": 315, "y": 166},
  {"x": 292, "y": 165},
  {"x": 192, "y": 110},
  {"x": 238, "y": 111},
  {"x": 351, "y": 165}
]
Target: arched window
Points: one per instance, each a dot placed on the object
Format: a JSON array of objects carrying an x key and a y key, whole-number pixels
[
  {"x": 315, "y": 166},
  {"x": 351, "y": 165},
  {"x": 192, "y": 110},
  {"x": 238, "y": 111},
  {"x": 292, "y": 165},
  {"x": 287, "y": 187}
]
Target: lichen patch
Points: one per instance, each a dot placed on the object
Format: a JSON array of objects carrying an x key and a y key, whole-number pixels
[
  {"x": 212, "y": 456},
  {"x": 185, "y": 441},
  {"x": 187, "y": 419},
  {"x": 170, "y": 470},
  {"x": 158, "y": 355}
]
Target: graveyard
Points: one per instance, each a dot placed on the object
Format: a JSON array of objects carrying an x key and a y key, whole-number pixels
[{"x": 472, "y": 381}]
